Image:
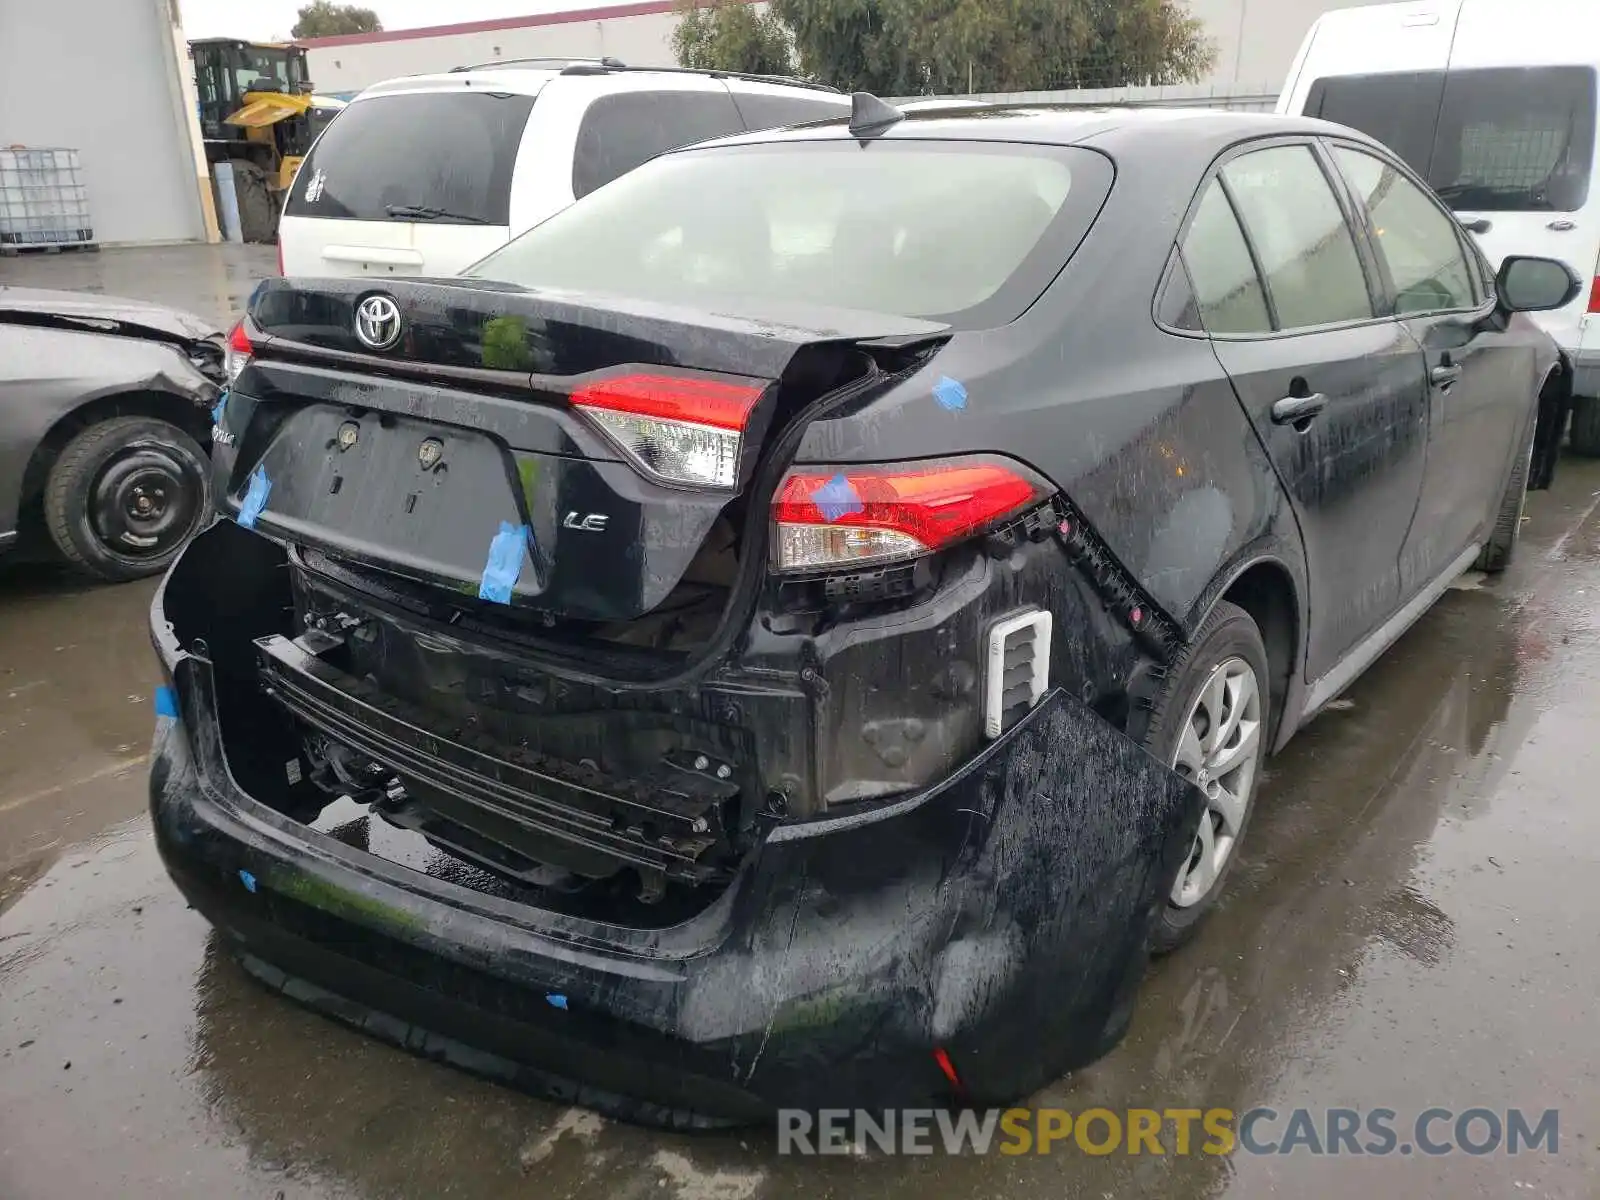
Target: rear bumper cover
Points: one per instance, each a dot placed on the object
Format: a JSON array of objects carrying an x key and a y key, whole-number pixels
[{"x": 1001, "y": 915}]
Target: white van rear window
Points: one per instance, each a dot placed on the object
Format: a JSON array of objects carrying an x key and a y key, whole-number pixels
[
  {"x": 1495, "y": 139},
  {"x": 441, "y": 157}
]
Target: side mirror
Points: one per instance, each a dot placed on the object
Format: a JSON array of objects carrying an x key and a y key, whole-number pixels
[{"x": 1528, "y": 285}]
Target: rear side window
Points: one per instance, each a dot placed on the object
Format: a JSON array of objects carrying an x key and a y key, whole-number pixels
[
  {"x": 766, "y": 111},
  {"x": 1495, "y": 139},
  {"x": 1227, "y": 290},
  {"x": 444, "y": 158},
  {"x": 966, "y": 232},
  {"x": 1420, "y": 243},
  {"x": 626, "y": 129},
  {"x": 1301, "y": 238}
]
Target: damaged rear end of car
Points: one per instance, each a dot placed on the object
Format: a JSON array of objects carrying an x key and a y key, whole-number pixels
[{"x": 539, "y": 710}]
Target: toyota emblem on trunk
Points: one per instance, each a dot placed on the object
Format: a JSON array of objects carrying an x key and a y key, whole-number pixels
[{"x": 378, "y": 322}]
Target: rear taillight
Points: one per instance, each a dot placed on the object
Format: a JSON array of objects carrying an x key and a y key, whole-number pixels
[
  {"x": 1594, "y": 296},
  {"x": 238, "y": 352},
  {"x": 280, "y": 258},
  {"x": 828, "y": 517},
  {"x": 677, "y": 429}
]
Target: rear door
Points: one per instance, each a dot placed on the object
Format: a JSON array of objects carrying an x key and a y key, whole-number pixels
[
  {"x": 1334, "y": 391},
  {"x": 1477, "y": 377},
  {"x": 406, "y": 184},
  {"x": 1376, "y": 42}
]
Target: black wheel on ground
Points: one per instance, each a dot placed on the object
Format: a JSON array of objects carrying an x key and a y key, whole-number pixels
[
  {"x": 124, "y": 495},
  {"x": 1501, "y": 547},
  {"x": 1585, "y": 435},
  {"x": 1211, "y": 723}
]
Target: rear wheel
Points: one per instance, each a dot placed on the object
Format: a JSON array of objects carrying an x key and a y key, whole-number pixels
[
  {"x": 1210, "y": 724},
  {"x": 124, "y": 495},
  {"x": 1586, "y": 425}
]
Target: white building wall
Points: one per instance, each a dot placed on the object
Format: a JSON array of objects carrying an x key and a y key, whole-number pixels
[
  {"x": 637, "y": 40},
  {"x": 102, "y": 77},
  {"x": 1257, "y": 40}
]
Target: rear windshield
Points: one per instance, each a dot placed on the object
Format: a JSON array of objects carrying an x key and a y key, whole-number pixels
[
  {"x": 443, "y": 158},
  {"x": 963, "y": 231},
  {"x": 1501, "y": 139}
]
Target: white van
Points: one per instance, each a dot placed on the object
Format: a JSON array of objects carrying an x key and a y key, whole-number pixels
[
  {"x": 1493, "y": 102},
  {"x": 426, "y": 175}
]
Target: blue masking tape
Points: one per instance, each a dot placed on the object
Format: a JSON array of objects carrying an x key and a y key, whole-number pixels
[
  {"x": 166, "y": 702},
  {"x": 837, "y": 499},
  {"x": 255, "y": 498},
  {"x": 951, "y": 394},
  {"x": 556, "y": 1000},
  {"x": 505, "y": 563},
  {"x": 221, "y": 408}
]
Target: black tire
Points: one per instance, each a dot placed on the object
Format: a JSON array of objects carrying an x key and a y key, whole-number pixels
[
  {"x": 124, "y": 495},
  {"x": 258, "y": 203},
  {"x": 1585, "y": 428},
  {"x": 1501, "y": 547},
  {"x": 1228, "y": 634}
]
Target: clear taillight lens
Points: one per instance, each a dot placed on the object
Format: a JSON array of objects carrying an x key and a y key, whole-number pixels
[
  {"x": 851, "y": 516},
  {"x": 238, "y": 352},
  {"x": 676, "y": 429}
]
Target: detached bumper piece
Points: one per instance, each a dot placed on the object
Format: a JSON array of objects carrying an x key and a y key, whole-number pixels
[{"x": 514, "y": 811}]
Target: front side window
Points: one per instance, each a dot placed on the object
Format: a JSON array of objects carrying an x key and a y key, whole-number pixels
[
  {"x": 1419, "y": 242},
  {"x": 1227, "y": 290},
  {"x": 967, "y": 232},
  {"x": 1492, "y": 139},
  {"x": 626, "y": 129},
  {"x": 1301, "y": 238}
]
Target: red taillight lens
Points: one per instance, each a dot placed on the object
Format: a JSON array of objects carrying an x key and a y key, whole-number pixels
[
  {"x": 829, "y": 517},
  {"x": 678, "y": 429},
  {"x": 1594, "y": 296},
  {"x": 238, "y": 352}
]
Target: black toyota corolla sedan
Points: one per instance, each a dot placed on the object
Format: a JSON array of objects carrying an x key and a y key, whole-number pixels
[{"x": 802, "y": 625}]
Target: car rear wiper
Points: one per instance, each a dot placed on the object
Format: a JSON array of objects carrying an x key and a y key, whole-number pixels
[{"x": 427, "y": 212}]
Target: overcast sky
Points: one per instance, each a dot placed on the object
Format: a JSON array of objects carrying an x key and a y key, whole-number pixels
[{"x": 265, "y": 19}]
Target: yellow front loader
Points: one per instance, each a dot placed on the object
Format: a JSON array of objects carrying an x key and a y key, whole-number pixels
[{"x": 258, "y": 113}]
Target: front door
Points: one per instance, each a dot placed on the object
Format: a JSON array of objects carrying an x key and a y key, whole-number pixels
[
  {"x": 1480, "y": 407},
  {"x": 1334, "y": 392}
]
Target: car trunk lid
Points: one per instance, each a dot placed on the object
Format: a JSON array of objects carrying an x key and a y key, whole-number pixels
[{"x": 564, "y": 454}]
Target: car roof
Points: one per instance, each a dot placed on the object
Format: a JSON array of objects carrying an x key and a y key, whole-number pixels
[
  {"x": 528, "y": 77},
  {"x": 1120, "y": 132}
]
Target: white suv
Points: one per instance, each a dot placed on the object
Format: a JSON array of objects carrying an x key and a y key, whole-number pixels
[{"x": 428, "y": 174}]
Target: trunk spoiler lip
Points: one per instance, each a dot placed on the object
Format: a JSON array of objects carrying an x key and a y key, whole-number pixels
[{"x": 796, "y": 323}]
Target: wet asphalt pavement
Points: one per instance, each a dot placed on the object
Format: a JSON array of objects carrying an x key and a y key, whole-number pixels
[{"x": 1414, "y": 923}]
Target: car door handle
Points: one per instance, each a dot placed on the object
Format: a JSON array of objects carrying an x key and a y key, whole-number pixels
[
  {"x": 1291, "y": 410},
  {"x": 1444, "y": 375}
]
